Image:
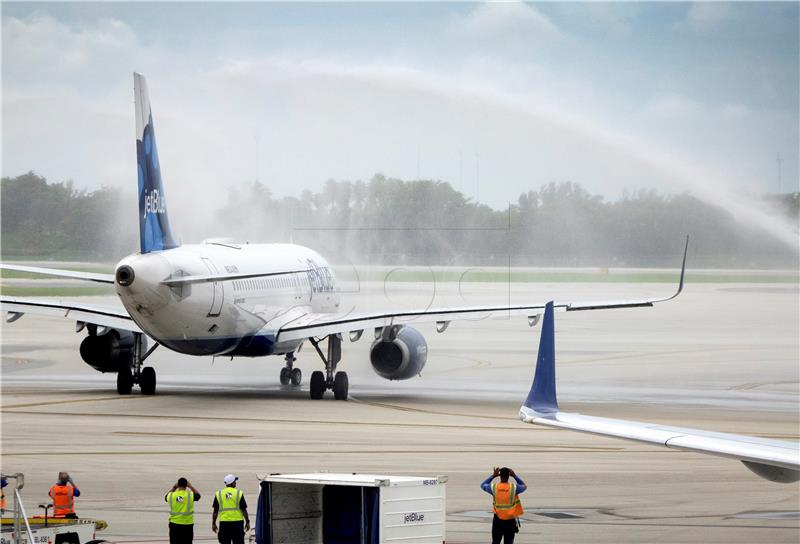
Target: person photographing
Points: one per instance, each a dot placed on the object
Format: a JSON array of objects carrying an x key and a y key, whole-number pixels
[
  {"x": 505, "y": 503},
  {"x": 63, "y": 494},
  {"x": 181, "y": 499}
]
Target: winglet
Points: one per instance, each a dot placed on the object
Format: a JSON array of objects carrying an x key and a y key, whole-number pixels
[
  {"x": 542, "y": 396},
  {"x": 683, "y": 266}
]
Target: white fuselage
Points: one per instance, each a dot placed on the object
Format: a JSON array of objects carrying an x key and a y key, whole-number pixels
[{"x": 230, "y": 317}]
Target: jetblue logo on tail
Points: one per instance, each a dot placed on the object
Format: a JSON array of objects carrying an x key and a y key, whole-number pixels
[{"x": 154, "y": 203}]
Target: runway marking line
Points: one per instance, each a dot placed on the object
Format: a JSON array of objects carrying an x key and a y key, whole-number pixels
[
  {"x": 188, "y": 435},
  {"x": 71, "y": 401}
]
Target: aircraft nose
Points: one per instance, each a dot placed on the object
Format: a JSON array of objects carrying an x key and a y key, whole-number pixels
[{"x": 125, "y": 275}]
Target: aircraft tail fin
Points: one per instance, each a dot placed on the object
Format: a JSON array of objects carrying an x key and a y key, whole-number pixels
[
  {"x": 542, "y": 396},
  {"x": 155, "y": 233}
]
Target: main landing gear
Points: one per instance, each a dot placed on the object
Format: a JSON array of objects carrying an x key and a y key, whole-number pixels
[
  {"x": 330, "y": 379},
  {"x": 289, "y": 374},
  {"x": 134, "y": 373}
]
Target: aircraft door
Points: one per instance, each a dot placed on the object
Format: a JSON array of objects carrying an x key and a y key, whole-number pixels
[{"x": 217, "y": 294}]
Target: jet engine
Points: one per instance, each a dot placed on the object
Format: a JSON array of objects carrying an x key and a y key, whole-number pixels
[
  {"x": 111, "y": 350},
  {"x": 399, "y": 354}
]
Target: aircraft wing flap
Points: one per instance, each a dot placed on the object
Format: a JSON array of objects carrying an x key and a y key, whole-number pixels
[
  {"x": 104, "y": 317},
  {"x": 71, "y": 274}
]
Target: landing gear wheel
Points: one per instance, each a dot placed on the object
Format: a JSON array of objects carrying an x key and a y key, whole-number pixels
[
  {"x": 124, "y": 381},
  {"x": 317, "y": 384},
  {"x": 297, "y": 376},
  {"x": 286, "y": 375},
  {"x": 147, "y": 381},
  {"x": 340, "y": 386}
]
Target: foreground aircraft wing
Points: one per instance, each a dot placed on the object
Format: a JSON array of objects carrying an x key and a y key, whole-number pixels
[
  {"x": 72, "y": 274},
  {"x": 311, "y": 324},
  {"x": 14, "y": 308},
  {"x": 775, "y": 460}
]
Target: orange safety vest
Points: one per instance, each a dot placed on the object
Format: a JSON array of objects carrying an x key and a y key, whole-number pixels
[
  {"x": 505, "y": 501},
  {"x": 63, "y": 500}
]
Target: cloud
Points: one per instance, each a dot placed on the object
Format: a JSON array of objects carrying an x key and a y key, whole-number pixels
[
  {"x": 39, "y": 45},
  {"x": 513, "y": 28},
  {"x": 705, "y": 16},
  {"x": 497, "y": 20},
  {"x": 668, "y": 105}
]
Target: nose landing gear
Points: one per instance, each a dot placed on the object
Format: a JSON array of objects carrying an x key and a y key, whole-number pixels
[{"x": 289, "y": 374}]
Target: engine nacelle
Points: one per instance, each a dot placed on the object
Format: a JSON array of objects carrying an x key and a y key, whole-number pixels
[
  {"x": 401, "y": 357},
  {"x": 109, "y": 351}
]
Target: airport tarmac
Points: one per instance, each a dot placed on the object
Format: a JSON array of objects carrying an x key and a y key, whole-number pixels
[{"x": 721, "y": 357}]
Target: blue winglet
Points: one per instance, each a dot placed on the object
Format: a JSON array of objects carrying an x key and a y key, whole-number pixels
[{"x": 542, "y": 396}]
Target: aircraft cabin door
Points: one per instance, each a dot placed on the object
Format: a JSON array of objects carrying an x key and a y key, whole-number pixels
[{"x": 218, "y": 293}]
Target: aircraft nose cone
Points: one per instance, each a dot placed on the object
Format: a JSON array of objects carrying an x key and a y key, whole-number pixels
[{"x": 125, "y": 275}]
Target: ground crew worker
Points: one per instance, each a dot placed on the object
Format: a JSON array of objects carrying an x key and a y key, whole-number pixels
[
  {"x": 63, "y": 494},
  {"x": 3, "y": 504},
  {"x": 505, "y": 503},
  {"x": 231, "y": 507},
  {"x": 181, "y": 511}
]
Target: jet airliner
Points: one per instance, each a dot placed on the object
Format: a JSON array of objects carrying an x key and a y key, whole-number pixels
[{"x": 240, "y": 300}]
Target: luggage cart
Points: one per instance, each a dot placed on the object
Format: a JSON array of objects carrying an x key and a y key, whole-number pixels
[{"x": 328, "y": 508}]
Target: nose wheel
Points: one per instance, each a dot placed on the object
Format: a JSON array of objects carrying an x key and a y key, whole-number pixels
[
  {"x": 337, "y": 382},
  {"x": 289, "y": 374}
]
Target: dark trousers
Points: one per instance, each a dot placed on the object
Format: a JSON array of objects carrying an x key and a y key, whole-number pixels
[
  {"x": 503, "y": 530},
  {"x": 181, "y": 534},
  {"x": 231, "y": 532}
]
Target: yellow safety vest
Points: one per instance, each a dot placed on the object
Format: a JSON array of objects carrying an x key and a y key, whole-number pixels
[
  {"x": 228, "y": 500},
  {"x": 181, "y": 507},
  {"x": 505, "y": 500}
]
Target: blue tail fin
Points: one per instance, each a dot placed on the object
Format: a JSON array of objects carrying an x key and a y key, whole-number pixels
[
  {"x": 155, "y": 233},
  {"x": 542, "y": 396}
]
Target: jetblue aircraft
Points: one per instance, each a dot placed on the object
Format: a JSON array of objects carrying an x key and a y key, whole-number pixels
[
  {"x": 774, "y": 460},
  {"x": 248, "y": 300}
]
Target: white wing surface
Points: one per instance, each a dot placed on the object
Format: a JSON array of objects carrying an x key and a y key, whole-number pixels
[
  {"x": 72, "y": 274},
  {"x": 310, "y": 325},
  {"x": 14, "y": 308}
]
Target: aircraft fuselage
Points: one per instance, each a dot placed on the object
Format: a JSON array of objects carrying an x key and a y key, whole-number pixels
[{"x": 233, "y": 317}]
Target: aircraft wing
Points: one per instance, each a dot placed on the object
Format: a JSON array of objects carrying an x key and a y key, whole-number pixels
[
  {"x": 82, "y": 313},
  {"x": 72, "y": 274},
  {"x": 774, "y": 460},
  {"x": 312, "y": 324}
]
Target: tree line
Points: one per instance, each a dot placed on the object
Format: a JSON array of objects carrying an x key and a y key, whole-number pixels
[{"x": 425, "y": 222}]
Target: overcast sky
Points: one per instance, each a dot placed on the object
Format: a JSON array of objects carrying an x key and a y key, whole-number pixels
[{"x": 495, "y": 98}]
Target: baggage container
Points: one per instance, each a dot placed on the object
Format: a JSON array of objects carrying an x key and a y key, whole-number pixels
[{"x": 328, "y": 508}]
